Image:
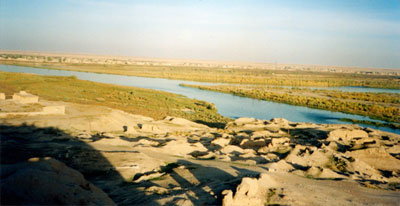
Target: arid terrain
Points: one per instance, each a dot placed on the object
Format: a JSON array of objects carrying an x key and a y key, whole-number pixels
[
  {"x": 200, "y": 103},
  {"x": 98, "y": 155}
]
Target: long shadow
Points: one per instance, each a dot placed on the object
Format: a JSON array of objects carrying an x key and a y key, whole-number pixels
[
  {"x": 210, "y": 182},
  {"x": 20, "y": 143},
  {"x": 218, "y": 125},
  {"x": 160, "y": 142},
  {"x": 307, "y": 136}
]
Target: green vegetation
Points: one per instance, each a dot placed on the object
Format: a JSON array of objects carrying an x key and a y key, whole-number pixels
[
  {"x": 271, "y": 193},
  {"x": 364, "y": 96},
  {"x": 213, "y": 74},
  {"x": 155, "y": 104},
  {"x": 383, "y": 111},
  {"x": 377, "y": 124},
  {"x": 337, "y": 164},
  {"x": 391, "y": 98},
  {"x": 394, "y": 186}
]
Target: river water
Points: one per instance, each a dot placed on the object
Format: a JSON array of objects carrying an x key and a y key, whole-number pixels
[{"x": 227, "y": 105}]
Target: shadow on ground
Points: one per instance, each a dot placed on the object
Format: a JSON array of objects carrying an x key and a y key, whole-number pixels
[{"x": 195, "y": 183}]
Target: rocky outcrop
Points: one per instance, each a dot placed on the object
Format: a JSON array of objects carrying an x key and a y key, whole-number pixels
[
  {"x": 346, "y": 135},
  {"x": 48, "y": 181},
  {"x": 251, "y": 191},
  {"x": 142, "y": 161}
]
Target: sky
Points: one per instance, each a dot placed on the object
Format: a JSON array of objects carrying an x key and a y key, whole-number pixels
[{"x": 361, "y": 33}]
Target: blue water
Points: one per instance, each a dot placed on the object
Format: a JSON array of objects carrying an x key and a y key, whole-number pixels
[
  {"x": 227, "y": 105},
  {"x": 345, "y": 89}
]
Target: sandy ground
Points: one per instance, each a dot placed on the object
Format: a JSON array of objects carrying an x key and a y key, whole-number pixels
[{"x": 136, "y": 160}]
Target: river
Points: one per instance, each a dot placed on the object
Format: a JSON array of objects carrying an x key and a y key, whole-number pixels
[{"x": 227, "y": 105}]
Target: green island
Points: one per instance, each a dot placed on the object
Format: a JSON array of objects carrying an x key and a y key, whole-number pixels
[
  {"x": 382, "y": 106},
  {"x": 151, "y": 103}
]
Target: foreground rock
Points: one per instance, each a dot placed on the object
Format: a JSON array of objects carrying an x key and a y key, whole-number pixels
[
  {"x": 50, "y": 182},
  {"x": 140, "y": 161},
  {"x": 286, "y": 189},
  {"x": 251, "y": 191}
]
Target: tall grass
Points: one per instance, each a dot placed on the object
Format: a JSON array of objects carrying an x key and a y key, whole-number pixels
[{"x": 151, "y": 103}]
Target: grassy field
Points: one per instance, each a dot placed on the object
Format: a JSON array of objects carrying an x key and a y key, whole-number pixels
[
  {"x": 375, "y": 105},
  {"x": 151, "y": 103},
  {"x": 227, "y": 75},
  {"x": 379, "y": 98}
]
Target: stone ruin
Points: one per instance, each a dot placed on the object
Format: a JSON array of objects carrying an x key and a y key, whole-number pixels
[{"x": 25, "y": 98}]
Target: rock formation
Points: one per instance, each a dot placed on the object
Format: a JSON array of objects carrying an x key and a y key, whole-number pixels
[
  {"x": 47, "y": 181},
  {"x": 138, "y": 160}
]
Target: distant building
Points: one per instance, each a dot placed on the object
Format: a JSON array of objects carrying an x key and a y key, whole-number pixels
[{"x": 25, "y": 98}]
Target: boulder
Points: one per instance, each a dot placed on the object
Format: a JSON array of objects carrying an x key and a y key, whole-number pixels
[
  {"x": 222, "y": 142},
  {"x": 232, "y": 149},
  {"x": 308, "y": 156},
  {"x": 182, "y": 147},
  {"x": 314, "y": 171},
  {"x": 263, "y": 133},
  {"x": 252, "y": 144},
  {"x": 327, "y": 173},
  {"x": 378, "y": 158},
  {"x": 271, "y": 157},
  {"x": 332, "y": 146},
  {"x": 263, "y": 150},
  {"x": 280, "y": 121},
  {"x": 346, "y": 135},
  {"x": 183, "y": 122},
  {"x": 244, "y": 120},
  {"x": 278, "y": 141},
  {"x": 299, "y": 156},
  {"x": 251, "y": 191},
  {"x": 364, "y": 169},
  {"x": 281, "y": 166},
  {"x": 48, "y": 181}
]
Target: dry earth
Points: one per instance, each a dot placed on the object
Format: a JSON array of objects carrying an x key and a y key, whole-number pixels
[{"x": 136, "y": 160}]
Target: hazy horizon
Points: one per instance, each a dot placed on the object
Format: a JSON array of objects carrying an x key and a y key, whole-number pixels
[{"x": 337, "y": 33}]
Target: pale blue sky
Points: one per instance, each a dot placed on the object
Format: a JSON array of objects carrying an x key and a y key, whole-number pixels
[{"x": 364, "y": 33}]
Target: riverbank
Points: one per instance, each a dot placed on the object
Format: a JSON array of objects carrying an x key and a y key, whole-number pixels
[
  {"x": 217, "y": 74},
  {"x": 228, "y": 105},
  {"x": 377, "y": 106},
  {"x": 151, "y": 103}
]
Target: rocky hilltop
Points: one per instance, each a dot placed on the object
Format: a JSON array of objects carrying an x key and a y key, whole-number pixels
[{"x": 97, "y": 155}]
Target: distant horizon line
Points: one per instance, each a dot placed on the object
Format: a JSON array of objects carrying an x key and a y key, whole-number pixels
[{"x": 249, "y": 63}]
